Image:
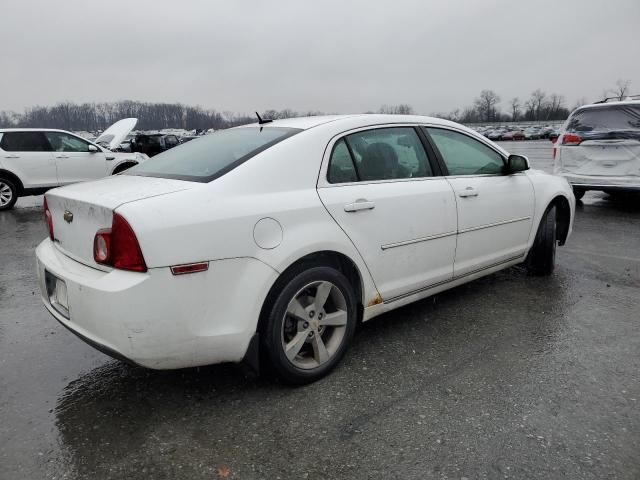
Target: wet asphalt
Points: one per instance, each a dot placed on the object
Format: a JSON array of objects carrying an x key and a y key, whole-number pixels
[{"x": 510, "y": 376}]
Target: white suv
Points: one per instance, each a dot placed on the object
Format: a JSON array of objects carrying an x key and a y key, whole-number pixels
[
  {"x": 35, "y": 160},
  {"x": 599, "y": 148}
]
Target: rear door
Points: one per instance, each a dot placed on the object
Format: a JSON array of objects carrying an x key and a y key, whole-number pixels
[
  {"x": 495, "y": 210},
  {"x": 380, "y": 186},
  {"x": 28, "y": 155},
  {"x": 74, "y": 161},
  {"x": 602, "y": 141}
]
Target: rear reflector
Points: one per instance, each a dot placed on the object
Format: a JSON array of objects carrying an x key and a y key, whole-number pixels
[
  {"x": 102, "y": 246},
  {"x": 48, "y": 218},
  {"x": 190, "y": 268},
  {"x": 569, "y": 139}
]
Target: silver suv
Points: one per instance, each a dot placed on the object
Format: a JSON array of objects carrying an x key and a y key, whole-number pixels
[{"x": 599, "y": 148}]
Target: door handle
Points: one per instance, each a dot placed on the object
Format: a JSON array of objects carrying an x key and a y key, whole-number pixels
[
  {"x": 12, "y": 156},
  {"x": 360, "y": 204},
  {"x": 62, "y": 156},
  {"x": 468, "y": 192}
]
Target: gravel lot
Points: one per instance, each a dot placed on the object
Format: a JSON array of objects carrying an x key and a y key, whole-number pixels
[{"x": 507, "y": 377}]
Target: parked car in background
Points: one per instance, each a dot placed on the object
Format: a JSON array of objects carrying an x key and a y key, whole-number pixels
[
  {"x": 275, "y": 240},
  {"x": 153, "y": 143},
  {"x": 599, "y": 148},
  {"x": 513, "y": 135},
  {"x": 546, "y": 131},
  {"x": 188, "y": 138},
  {"x": 33, "y": 160},
  {"x": 553, "y": 135},
  {"x": 494, "y": 135},
  {"x": 531, "y": 134}
]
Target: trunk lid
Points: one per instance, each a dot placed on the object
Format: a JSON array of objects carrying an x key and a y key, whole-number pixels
[{"x": 80, "y": 210}]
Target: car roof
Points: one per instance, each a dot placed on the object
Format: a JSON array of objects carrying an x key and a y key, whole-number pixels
[
  {"x": 5, "y": 130},
  {"x": 618, "y": 103},
  {"x": 354, "y": 121}
]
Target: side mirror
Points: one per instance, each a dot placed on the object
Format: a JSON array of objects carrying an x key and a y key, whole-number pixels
[
  {"x": 517, "y": 163},
  {"x": 93, "y": 149}
]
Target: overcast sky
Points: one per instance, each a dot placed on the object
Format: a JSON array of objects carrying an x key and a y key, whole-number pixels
[{"x": 334, "y": 56}]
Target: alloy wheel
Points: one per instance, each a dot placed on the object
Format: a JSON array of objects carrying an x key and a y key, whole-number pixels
[
  {"x": 315, "y": 324},
  {"x": 6, "y": 194}
]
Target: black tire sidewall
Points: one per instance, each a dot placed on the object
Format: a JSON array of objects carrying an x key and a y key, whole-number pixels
[
  {"x": 14, "y": 191},
  {"x": 271, "y": 335},
  {"x": 543, "y": 253}
]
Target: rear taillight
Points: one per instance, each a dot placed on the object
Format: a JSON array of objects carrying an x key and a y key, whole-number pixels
[
  {"x": 568, "y": 139},
  {"x": 118, "y": 246},
  {"x": 48, "y": 218}
]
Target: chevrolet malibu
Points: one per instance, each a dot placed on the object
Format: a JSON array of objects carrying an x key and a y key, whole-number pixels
[{"x": 270, "y": 242}]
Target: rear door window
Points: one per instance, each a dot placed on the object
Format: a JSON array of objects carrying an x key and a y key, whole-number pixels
[
  {"x": 25, "y": 142},
  {"x": 341, "y": 167},
  {"x": 379, "y": 154}
]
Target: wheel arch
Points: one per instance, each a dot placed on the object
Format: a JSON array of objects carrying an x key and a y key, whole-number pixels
[
  {"x": 13, "y": 178},
  {"x": 124, "y": 165},
  {"x": 329, "y": 258}
]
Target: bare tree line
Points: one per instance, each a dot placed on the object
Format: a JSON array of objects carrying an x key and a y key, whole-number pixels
[
  {"x": 540, "y": 106},
  {"x": 98, "y": 116},
  {"x": 485, "y": 108},
  {"x": 151, "y": 116}
]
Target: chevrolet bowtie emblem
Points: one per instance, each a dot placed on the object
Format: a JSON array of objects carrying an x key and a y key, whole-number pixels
[{"x": 68, "y": 216}]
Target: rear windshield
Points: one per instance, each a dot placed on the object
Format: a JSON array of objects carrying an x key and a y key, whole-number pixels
[
  {"x": 603, "y": 119},
  {"x": 211, "y": 156}
]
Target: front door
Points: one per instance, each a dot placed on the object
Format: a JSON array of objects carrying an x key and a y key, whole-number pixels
[
  {"x": 495, "y": 210},
  {"x": 380, "y": 188},
  {"x": 74, "y": 161}
]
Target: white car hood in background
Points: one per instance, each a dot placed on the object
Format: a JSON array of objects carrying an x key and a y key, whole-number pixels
[{"x": 116, "y": 133}]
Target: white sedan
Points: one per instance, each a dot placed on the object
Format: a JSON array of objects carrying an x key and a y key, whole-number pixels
[{"x": 278, "y": 238}]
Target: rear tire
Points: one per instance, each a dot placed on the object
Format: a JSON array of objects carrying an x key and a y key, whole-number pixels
[
  {"x": 579, "y": 193},
  {"x": 8, "y": 194},
  {"x": 311, "y": 321},
  {"x": 542, "y": 256}
]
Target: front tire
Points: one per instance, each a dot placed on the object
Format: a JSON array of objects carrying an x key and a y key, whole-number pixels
[
  {"x": 310, "y": 324},
  {"x": 542, "y": 256},
  {"x": 8, "y": 194}
]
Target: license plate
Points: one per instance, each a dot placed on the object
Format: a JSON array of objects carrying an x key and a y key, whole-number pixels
[{"x": 57, "y": 293}]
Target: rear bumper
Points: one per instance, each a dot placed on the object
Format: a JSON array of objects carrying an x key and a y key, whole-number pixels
[
  {"x": 602, "y": 182},
  {"x": 158, "y": 320}
]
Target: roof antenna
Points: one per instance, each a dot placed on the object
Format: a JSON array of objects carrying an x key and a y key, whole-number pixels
[{"x": 261, "y": 120}]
